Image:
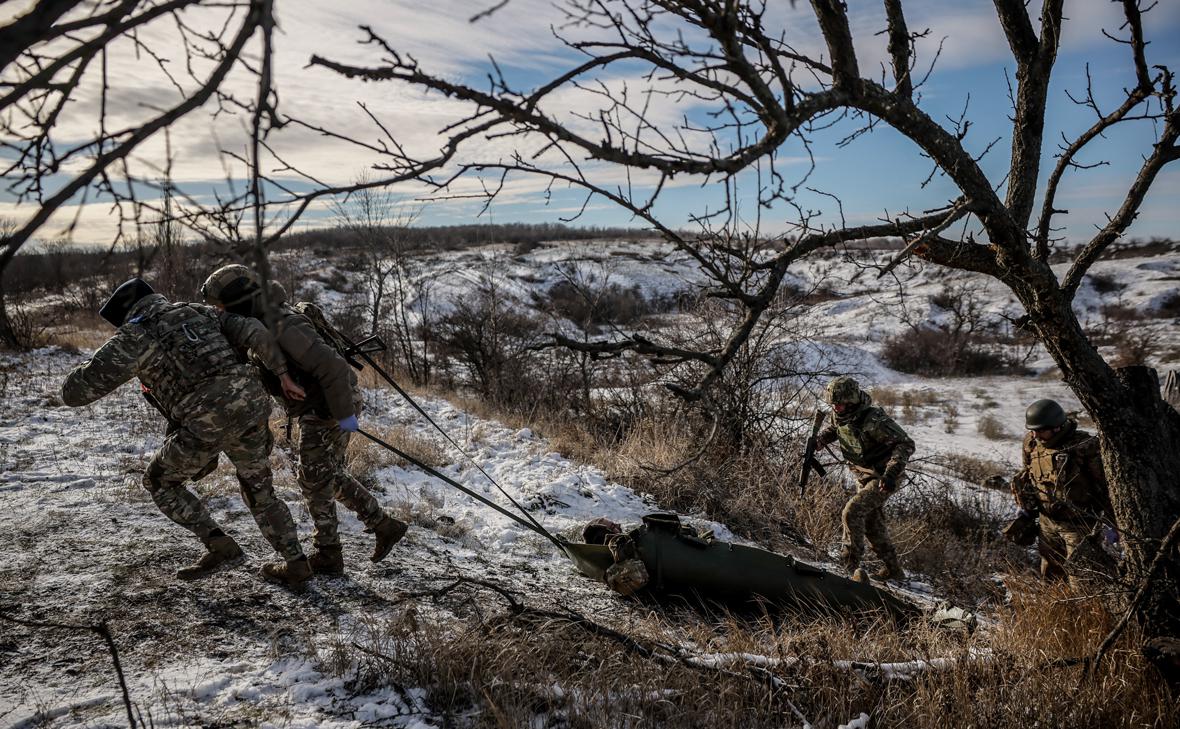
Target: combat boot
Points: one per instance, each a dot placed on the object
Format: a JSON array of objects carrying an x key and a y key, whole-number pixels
[
  {"x": 890, "y": 571},
  {"x": 327, "y": 561},
  {"x": 223, "y": 552},
  {"x": 389, "y": 532},
  {"x": 292, "y": 574}
]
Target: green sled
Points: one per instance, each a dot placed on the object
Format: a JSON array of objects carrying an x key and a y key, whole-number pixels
[{"x": 734, "y": 574}]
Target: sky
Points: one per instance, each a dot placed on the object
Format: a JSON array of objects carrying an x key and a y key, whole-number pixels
[{"x": 878, "y": 173}]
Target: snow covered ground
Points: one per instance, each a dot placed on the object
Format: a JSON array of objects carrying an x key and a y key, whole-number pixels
[{"x": 82, "y": 542}]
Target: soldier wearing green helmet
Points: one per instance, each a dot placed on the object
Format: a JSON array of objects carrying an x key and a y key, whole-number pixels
[
  {"x": 1062, "y": 486},
  {"x": 877, "y": 450},
  {"x": 327, "y": 417}
]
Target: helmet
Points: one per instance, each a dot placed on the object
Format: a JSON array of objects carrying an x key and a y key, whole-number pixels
[
  {"x": 1044, "y": 414},
  {"x": 230, "y": 285},
  {"x": 843, "y": 390},
  {"x": 116, "y": 308}
]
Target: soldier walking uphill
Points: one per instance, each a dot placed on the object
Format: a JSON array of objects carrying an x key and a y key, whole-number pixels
[
  {"x": 326, "y": 418},
  {"x": 1063, "y": 488},
  {"x": 876, "y": 449},
  {"x": 182, "y": 354}
]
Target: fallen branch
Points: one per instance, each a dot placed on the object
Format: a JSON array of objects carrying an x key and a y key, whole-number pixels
[
  {"x": 105, "y": 633},
  {"x": 1156, "y": 563}
]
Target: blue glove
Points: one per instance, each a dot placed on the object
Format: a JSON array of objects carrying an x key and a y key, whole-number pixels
[
  {"x": 1111, "y": 535},
  {"x": 349, "y": 424}
]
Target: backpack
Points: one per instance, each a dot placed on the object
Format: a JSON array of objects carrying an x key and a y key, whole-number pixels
[{"x": 331, "y": 335}]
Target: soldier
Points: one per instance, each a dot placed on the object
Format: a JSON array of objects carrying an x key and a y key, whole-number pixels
[
  {"x": 183, "y": 357},
  {"x": 876, "y": 449},
  {"x": 1062, "y": 486},
  {"x": 326, "y": 418}
]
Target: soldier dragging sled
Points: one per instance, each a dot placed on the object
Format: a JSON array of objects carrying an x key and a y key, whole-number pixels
[
  {"x": 327, "y": 417},
  {"x": 183, "y": 354}
]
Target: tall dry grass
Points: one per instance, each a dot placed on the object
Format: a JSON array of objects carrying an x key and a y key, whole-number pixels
[{"x": 679, "y": 668}]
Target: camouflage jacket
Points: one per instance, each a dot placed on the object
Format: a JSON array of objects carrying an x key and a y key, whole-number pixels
[
  {"x": 182, "y": 353},
  {"x": 870, "y": 441},
  {"x": 1063, "y": 478},
  {"x": 331, "y": 384}
]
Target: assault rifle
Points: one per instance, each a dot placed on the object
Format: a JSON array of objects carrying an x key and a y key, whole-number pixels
[{"x": 810, "y": 462}]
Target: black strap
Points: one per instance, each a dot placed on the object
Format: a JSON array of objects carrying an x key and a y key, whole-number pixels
[
  {"x": 533, "y": 526},
  {"x": 536, "y": 526}
]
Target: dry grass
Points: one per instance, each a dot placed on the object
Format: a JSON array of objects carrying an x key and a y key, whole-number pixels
[
  {"x": 365, "y": 457},
  {"x": 992, "y": 428},
  {"x": 81, "y": 331},
  {"x": 971, "y": 468},
  {"x": 679, "y": 668}
]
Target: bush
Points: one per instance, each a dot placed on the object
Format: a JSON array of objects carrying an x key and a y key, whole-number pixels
[
  {"x": 611, "y": 304},
  {"x": 934, "y": 351},
  {"x": 992, "y": 428}
]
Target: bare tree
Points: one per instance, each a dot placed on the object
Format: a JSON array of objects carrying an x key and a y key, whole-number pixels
[
  {"x": 54, "y": 68},
  {"x": 760, "y": 92}
]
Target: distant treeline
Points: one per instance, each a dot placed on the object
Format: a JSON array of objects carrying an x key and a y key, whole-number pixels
[{"x": 54, "y": 265}]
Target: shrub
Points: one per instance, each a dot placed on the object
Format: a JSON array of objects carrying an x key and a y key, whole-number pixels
[
  {"x": 940, "y": 352},
  {"x": 992, "y": 428}
]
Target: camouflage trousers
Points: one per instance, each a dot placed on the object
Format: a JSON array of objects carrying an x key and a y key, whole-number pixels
[
  {"x": 324, "y": 480},
  {"x": 1074, "y": 551},
  {"x": 184, "y": 456},
  {"x": 864, "y": 517}
]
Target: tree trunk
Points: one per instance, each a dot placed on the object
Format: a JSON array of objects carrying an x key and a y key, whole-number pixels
[
  {"x": 8, "y": 336},
  {"x": 1140, "y": 441},
  {"x": 1140, "y": 436}
]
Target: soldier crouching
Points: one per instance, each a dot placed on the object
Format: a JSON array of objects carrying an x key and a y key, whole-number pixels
[
  {"x": 1062, "y": 486},
  {"x": 877, "y": 450}
]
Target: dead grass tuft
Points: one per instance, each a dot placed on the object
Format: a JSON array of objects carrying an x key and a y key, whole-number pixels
[{"x": 679, "y": 668}]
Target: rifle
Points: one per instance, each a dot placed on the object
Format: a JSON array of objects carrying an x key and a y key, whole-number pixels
[{"x": 810, "y": 462}]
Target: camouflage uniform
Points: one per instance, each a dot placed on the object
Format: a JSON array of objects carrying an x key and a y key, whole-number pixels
[
  {"x": 182, "y": 354},
  {"x": 877, "y": 450},
  {"x": 1064, "y": 484},
  {"x": 332, "y": 394}
]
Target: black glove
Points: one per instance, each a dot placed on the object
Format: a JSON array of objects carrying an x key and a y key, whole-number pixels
[{"x": 888, "y": 483}]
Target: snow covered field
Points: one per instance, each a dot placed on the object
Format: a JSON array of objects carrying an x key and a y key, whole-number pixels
[{"x": 81, "y": 542}]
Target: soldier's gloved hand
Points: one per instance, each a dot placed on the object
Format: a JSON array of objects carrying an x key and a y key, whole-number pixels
[
  {"x": 888, "y": 484},
  {"x": 349, "y": 424},
  {"x": 1110, "y": 534}
]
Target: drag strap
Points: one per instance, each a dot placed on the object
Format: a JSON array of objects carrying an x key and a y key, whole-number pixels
[{"x": 531, "y": 525}]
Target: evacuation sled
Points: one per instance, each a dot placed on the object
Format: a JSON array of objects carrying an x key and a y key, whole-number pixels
[{"x": 664, "y": 557}]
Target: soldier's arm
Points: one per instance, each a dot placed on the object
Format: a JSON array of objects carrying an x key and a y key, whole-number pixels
[
  {"x": 113, "y": 364},
  {"x": 827, "y": 436},
  {"x": 1024, "y": 493},
  {"x": 247, "y": 333},
  {"x": 889, "y": 433},
  {"x": 310, "y": 353}
]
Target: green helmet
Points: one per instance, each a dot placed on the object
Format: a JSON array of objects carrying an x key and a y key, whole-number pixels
[
  {"x": 230, "y": 285},
  {"x": 844, "y": 390},
  {"x": 1044, "y": 414}
]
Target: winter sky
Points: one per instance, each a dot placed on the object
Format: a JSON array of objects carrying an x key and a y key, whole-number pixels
[{"x": 878, "y": 172}]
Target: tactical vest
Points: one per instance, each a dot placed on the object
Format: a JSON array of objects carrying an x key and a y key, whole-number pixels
[
  {"x": 1063, "y": 485},
  {"x": 314, "y": 401},
  {"x": 857, "y": 446},
  {"x": 187, "y": 349}
]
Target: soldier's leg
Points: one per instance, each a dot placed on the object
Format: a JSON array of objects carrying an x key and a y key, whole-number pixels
[
  {"x": 349, "y": 492},
  {"x": 250, "y": 454},
  {"x": 853, "y": 518},
  {"x": 877, "y": 532},
  {"x": 1051, "y": 547},
  {"x": 317, "y": 471},
  {"x": 1089, "y": 567},
  {"x": 181, "y": 457}
]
